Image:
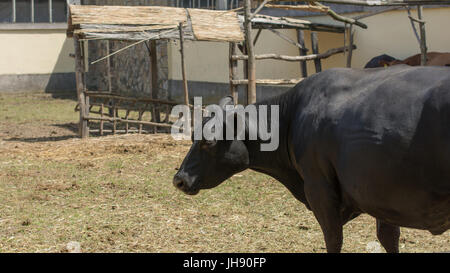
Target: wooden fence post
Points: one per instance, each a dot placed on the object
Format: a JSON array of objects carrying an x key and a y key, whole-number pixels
[
  {"x": 108, "y": 64},
  {"x": 183, "y": 66},
  {"x": 155, "y": 79},
  {"x": 251, "y": 93},
  {"x": 423, "y": 39},
  {"x": 301, "y": 41},
  {"x": 233, "y": 72},
  {"x": 83, "y": 128},
  {"x": 245, "y": 69},
  {"x": 315, "y": 50},
  {"x": 350, "y": 48},
  {"x": 101, "y": 121}
]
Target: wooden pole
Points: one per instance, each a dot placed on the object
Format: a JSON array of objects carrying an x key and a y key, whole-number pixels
[
  {"x": 257, "y": 36},
  {"x": 86, "y": 114},
  {"x": 315, "y": 50},
  {"x": 108, "y": 68},
  {"x": 345, "y": 37},
  {"x": 423, "y": 39},
  {"x": 114, "y": 116},
  {"x": 251, "y": 93},
  {"x": 146, "y": 100},
  {"x": 183, "y": 66},
  {"x": 155, "y": 129},
  {"x": 84, "y": 52},
  {"x": 166, "y": 118},
  {"x": 339, "y": 17},
  {"x": 412, "y": 20},
  {"x": 132, "y": 121},
  {"x": 233, "y": 72},
  {"x": 154, "y": 74},
  {"x": 286, "y": 38},
  {"x": 128, "y": 112},
  {"x": 258, "y": 9},
  {"x": 245, "y": 69},
  {"x": 101, "y": 122},
  {"x": 289, "y": 58},
  {"x": 301, "y": 42},
  {"x": 141, "y": 113},
  {"x": 299, "y": 7},
  {"x": 126, "y": 124},
  {"x": 350, "y": 46},
  {"x": 83, "y": 129},
  {"x": 270, "y": 81}
]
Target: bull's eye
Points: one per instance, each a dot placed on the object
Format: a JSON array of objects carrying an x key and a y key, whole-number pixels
[{"x": 208, "y": 143}]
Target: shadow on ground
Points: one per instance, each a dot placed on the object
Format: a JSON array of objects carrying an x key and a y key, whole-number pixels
[
  {"x": 40, "y": 139},
  {"x": 42, "y": 133},
  {"x": 67, "y": 95}
]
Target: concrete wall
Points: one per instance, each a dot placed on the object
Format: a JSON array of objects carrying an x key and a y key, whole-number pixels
[
  {"x": 35, "y": 59},
  {"x": 391, "y": 33},
  {"x": 208, "y": 73},
  {"x": 388, "y": 32},
  {"x": 35, "y": 52},
  {"x": 39, "y": 58}
]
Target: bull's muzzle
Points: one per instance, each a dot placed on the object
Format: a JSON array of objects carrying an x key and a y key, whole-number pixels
[{"x": 181, "y": 183}]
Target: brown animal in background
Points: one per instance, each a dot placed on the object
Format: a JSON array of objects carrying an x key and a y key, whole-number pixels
[{"x": 433, "y": 59}]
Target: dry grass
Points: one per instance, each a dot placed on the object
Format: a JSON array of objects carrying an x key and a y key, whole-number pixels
[
  {"x": 127, "y": 15},
  {"x": 213, "y": 25},
  {"x": 114, "y": 194},
  {"x": 118, "y": 21}
]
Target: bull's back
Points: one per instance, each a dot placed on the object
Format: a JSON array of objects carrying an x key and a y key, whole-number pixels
[
  {"x": 438, "y": 59},
  {"x": 386, "y": 135}
]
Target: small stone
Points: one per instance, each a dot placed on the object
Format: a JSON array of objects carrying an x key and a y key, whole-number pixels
[
  {"x": 374, "y": 247},
  {"x": 73, "y": 247}
]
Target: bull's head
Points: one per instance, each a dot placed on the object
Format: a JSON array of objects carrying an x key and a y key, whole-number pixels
[{"x": 210, "y": 162}]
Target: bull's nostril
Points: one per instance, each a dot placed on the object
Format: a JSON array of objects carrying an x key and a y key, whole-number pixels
[
  {"x": 178, "y": 183},
  {"x": 184, "y": 186}
]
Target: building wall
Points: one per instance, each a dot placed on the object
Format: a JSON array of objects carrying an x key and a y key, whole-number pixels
[
  {"x": 208, "y": 61},
  {"x": 391, "y": 33},
  {"x": 35, "y": 52},
  {"x": 388, "y": 32},
  {"x": 36, "y": 59}
]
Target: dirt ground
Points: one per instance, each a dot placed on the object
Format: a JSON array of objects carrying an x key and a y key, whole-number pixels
[{"x": 114, "y": 194}]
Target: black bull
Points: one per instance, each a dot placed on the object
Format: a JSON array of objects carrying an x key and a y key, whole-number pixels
[{"x": 351, "y": 141}]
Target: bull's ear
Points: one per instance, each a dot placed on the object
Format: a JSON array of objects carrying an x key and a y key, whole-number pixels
[{"x": 228, "y": 100}]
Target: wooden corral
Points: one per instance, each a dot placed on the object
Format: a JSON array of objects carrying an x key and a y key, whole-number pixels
[
  {"x": 146, "y": 24},
  {"x": 139, "y": 25}
]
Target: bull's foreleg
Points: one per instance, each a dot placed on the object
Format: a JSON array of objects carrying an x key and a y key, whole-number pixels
[
  {"x": 325, "y": 204},
  {"x": 388, "y": 235}
]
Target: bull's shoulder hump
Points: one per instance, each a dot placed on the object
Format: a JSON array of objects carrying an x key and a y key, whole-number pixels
[
  {"x": 385, "y": 93},
  {"x": 399, "y": 78}
]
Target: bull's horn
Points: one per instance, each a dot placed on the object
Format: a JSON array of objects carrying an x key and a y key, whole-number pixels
[{"x": 227, "y": 100}]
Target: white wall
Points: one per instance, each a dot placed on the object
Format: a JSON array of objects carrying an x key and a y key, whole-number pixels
[
  {"x": 391, "y": 33},
  {"x": 47, "y": 51},
  {"x": 35, "y": 52},
  {"x": 388, "y": 33}
]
